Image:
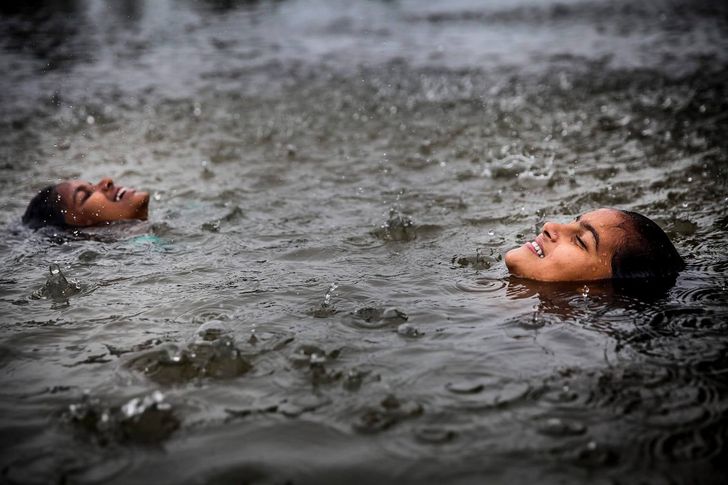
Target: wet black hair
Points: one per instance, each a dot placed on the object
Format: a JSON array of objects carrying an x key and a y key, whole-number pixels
[
  {"x": 645, "y": 252},
  {"x": 45, "y": 209}
]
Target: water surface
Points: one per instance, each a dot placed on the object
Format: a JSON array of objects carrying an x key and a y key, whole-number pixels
[{"x": 319, "y": 295}]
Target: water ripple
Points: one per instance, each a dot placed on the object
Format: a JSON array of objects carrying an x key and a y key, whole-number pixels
[{"x": 482, "y": 285}]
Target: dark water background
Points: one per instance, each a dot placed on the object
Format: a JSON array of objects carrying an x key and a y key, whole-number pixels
[{"x": 319, "y": 295}]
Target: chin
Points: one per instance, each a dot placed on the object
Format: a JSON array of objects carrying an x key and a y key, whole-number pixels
[
  {"x": 142, "y": 204},
  {"x": 511, "y": 259},
  {"x": 517, "y": 260}
]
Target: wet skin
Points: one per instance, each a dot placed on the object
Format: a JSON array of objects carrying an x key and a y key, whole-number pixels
[
  {"x": 580, "y": 250},
  {"x": 87, "y": 204}
]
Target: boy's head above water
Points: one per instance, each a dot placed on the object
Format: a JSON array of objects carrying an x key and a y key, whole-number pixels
[
  {"x": 602, "y": 244},
  {"x": 77, "y": 203}
]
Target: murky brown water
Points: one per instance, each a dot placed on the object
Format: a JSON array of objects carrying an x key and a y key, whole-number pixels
[{"x": 319, "y": 295}]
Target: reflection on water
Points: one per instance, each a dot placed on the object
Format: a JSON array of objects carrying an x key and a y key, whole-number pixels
[{"x": 320, "y": 295}]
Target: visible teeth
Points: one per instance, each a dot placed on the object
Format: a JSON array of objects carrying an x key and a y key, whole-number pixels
[{"x": 538, "y": 249}]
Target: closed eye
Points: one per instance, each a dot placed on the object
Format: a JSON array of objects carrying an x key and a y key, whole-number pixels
[
  {"x": 81, "y": 196},
  {"x": 581, "y": 243}
]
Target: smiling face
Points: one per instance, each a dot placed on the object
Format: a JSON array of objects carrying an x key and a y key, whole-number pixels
[
  {"x": 580, "y": 250},
  {"x": 87, "y": 204}
]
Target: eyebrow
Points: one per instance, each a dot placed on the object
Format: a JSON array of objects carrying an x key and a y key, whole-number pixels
[{"x": 589, "y": 228}]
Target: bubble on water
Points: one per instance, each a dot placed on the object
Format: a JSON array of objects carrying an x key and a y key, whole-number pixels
[
  {"x": 690, "y": 179},
  {"x": 196, "y": 109},
  {"x": 408, "y": 330},
  {"x": 157, "y": 196},
  {"x": 90, "y": 120},
  {"x": 491, "y": 232},
  {"x": 585, "y": 291},
  {"x": 684, "y": 205}
]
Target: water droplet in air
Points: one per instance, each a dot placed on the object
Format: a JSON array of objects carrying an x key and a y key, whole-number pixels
[
  {"x": 327, "y": 296},
  {"x": 585, "y": 291},
  {"x": 157, "y": 396},
  {"x": 90, "y": 120},
  {"x": 684, "y": 204},
  {"x": 690, "y": 179}
]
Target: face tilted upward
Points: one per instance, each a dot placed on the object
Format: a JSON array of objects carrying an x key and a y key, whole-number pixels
[
  {"x": 87, "y": 204},
  {"x": 580, "y": 250}
]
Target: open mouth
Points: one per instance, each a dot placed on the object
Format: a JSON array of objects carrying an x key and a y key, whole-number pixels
[
  {"x": 119, "y": 194},
  {"x": 536, "y": 247}
]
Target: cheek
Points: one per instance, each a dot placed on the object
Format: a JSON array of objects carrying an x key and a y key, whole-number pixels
[
  {"x": 562, "y": 264},
  {"x": 94, "y": 204},
  {"x": 573, "y": 265}
]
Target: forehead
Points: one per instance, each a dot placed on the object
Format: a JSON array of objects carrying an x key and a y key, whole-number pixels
[
  {"x": 603, "y": 218},
  {"x": 607, "y": 223}
]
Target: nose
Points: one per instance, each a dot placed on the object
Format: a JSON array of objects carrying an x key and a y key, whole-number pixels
[
  {"x": 553, "y": 230},
  {"x": 105, "y": 184}
]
